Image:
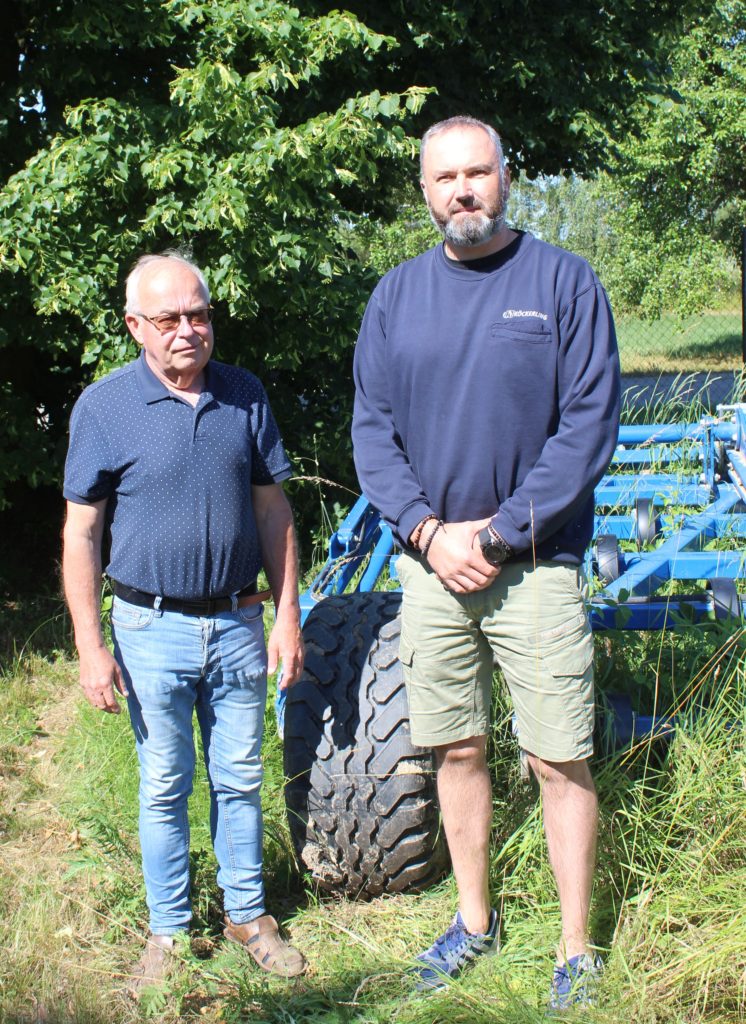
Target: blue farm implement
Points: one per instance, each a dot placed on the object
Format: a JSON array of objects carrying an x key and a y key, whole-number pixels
[{"x": 667, "y": 553}]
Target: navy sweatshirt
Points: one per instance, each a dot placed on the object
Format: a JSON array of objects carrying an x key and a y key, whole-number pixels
[{"x": 489, "y": 388}]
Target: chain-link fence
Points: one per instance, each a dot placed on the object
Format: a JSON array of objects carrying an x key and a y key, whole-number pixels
[{"x": 701, "y": 355}]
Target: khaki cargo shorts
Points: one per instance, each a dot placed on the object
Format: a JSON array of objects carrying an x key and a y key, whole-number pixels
[{"x": 532, "y": 620}]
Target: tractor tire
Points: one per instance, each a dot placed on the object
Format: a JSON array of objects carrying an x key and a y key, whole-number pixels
[{"x": 361, "y": 800}]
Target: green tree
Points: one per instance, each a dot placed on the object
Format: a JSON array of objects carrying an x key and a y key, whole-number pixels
[
  {"x": 676, "y": 188},
  {"x": 661, "y": 223},
  {"x": 54, "y": 55},
  {"x": 221, "y": 164},
  {"x": 260, "y": 136},
  {"x": 557, "y": 81}
]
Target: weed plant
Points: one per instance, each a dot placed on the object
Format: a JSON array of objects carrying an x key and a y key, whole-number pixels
[{"x": 686, "y": 399}]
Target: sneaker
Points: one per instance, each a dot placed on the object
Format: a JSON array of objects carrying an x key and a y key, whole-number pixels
[
  {"x": 574, "y": 983},
  {"x": 452, "y": 951}
]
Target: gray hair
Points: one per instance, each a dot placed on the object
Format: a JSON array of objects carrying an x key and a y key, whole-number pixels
[
  {"x": 462, "y": 121},
  {"x": 132, "y": 285}
]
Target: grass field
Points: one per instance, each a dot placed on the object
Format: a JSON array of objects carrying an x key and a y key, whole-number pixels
[
  {"x": 668, "y": 915},
  {"x": 707, "y": 342}
]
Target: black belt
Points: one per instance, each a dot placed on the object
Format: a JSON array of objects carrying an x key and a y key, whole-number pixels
[{"x": 249, "y": 595}]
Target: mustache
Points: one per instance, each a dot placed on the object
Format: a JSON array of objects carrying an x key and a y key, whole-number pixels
[{"x": 467, "y": 203}]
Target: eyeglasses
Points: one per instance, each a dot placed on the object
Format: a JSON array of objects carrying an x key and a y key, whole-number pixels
[{"x": 167, "y": 322}]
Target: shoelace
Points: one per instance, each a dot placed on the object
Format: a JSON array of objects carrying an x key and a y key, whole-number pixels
[
  {"x": 452, "y": 930},
  {"x": 561, "y": 973}
]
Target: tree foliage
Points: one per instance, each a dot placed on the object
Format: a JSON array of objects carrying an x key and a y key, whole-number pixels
[
  {"x": 645, "y": 274},
  {"x": 662, "y": 223},
  {"x": 219, "y": 163},
  {"x": 260, "y": 136},
  {"x": 676, "y": 189},
  {"x": 558, "y": 82},
  {"x": 55, "y": 55}
]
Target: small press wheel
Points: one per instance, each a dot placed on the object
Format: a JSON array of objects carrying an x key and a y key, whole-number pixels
[
  {"x": 722, "y": 463},
  {"x": 607, "y": 558},
  {"x": 725, "y": 599},
  {"x": 646, "y": 523}
]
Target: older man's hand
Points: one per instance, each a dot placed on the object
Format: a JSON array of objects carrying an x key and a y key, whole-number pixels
[
  {"x": 100, "y": 676},
  {"x": 457, "y": 560},
  {"x": 285, "y": 646}
]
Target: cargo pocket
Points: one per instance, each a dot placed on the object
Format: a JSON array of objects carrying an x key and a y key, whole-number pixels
[
  {"x": 567, "y": 649},
  {"x": 569, "y": 659}
]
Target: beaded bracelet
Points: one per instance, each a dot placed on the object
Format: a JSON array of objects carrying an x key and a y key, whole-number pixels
[
  {"x": 430, "y": 538},
  {"x": 417, "y": 537}
]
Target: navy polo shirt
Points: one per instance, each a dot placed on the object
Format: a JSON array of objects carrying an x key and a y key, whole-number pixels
[{"x": 178, "y": 479}]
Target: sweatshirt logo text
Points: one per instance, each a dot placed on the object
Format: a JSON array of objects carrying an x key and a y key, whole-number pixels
[{"x": 510, "y": 313}]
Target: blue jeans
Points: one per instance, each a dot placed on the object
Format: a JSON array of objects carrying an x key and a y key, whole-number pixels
[{"x": 172, "y": 663}]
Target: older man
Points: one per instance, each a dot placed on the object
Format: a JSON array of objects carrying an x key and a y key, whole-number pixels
[
  {"x": 486, "y": 411},
  {"x": 178, "y": 460}
]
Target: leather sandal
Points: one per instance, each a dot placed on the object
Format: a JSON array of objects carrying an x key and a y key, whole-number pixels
[
  {"x": 152, "y": 967},
  {"x": 261, "y": 937}
]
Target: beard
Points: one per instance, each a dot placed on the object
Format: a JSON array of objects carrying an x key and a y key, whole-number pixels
[{"x": 473, "y": 229}]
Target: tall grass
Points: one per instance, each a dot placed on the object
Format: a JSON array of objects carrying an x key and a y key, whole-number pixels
[
  {"x": 686, "y": 398},
  {"x": 668, "y": 909},
  {"x": 668, "y": 913}
]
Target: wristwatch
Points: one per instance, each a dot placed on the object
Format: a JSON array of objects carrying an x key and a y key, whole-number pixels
[{"x": 494, "y": 549}]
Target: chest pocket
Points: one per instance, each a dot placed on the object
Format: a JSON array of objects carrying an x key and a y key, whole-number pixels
[{"x": 524, "y": 332}]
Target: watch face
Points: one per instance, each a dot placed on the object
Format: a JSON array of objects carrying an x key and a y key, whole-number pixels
[{"x": 494, "y": 553}]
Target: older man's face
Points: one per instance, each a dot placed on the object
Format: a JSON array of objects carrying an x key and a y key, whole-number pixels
[
  {"x": 176, "y": 356},
  {"x": 464, "y": 188}
]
